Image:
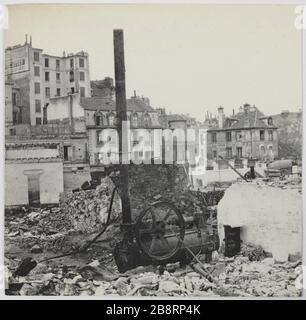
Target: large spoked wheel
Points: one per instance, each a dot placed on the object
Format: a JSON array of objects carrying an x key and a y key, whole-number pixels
[{"x": 160, "y": 230}]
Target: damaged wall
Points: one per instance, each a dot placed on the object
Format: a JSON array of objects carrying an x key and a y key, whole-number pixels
[
  {"x": 269, "y": 216},
  {"x": 16, "y": 181}
]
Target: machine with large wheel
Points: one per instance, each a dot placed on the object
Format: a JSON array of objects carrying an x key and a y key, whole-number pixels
[{"x": 162, "y": 233}]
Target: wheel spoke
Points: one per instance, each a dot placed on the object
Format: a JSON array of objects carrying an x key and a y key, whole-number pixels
[
  {"x": 153, "y": 243},
  {"x": 165, "y": 242},
  {"x": 167, "y": 214},
  {"x": 153, "y": 213}
]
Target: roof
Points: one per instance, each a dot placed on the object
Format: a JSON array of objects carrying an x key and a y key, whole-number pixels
[
  {"x": 98, "y": 103},
  {"x": 175, "y": 117},
  {"x": 242, "y": 120}
]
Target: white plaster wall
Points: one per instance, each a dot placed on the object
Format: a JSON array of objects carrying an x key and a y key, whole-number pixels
[
  {"x": 268, "y": 216},
  {"x": 58, "y": 108},
  {"x": 16, "y": 182}
]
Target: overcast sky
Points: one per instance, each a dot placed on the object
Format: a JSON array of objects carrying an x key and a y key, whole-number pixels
[{"x": 188, "y": 59}]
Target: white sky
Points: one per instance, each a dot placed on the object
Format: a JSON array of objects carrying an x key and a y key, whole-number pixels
[{"x": 186, "y": 58}]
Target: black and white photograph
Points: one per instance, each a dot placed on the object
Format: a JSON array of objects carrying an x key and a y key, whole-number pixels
[{"x": 153, "y": 150}]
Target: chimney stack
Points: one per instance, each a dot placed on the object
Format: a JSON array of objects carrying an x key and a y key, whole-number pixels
[{"x": 220, "y": 117}]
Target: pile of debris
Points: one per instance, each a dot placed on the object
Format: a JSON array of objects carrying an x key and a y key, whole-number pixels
[
  {"x": 237, "y": 276},
  {"x": 87, "y": 210},
  {"x": 37, "y": 229}
]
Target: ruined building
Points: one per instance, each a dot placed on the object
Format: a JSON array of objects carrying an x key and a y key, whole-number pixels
[
  {"x": 39, "y": 77},
  {"x": 246, "y": 134}
]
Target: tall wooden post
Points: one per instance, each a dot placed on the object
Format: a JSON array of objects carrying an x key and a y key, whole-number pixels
[{"x": 122, "y": 116}]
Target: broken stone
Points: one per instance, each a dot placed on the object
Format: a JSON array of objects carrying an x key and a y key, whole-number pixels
[
  {"x": 218, "y": 269},
  {"x": 36, "y": 249}
]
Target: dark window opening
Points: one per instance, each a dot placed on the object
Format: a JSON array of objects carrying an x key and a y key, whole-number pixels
[
  {"x": 228, "y": 136},
  {"x": 36, "y": 71},
  {"x": 36, "y": 56},
  {"x": 229, "y": 153},
  {"x": 33, "y": 190},
  {"x": 262, "y": 135},
  {"x": 71, "y": 76}
]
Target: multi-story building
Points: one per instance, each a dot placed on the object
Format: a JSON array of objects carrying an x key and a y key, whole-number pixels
[
  {"x": 100, "y": 114},
  {"x": 247, "y": 134},
  {"x": 41, "y": 76}
]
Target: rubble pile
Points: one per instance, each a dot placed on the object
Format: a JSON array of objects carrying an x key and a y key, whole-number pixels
[
  {"x": 38, "y": 229},
  {"x": 87, "y": 210},
  {"x": 236, "y": 276},
  {"x": 252, "y": 252}
]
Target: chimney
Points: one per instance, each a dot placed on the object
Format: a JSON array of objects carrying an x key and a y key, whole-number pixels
[
  {"x": 220, "y": 117},
  {"x": 26, "y": 38},
  {"x": 71, "y": 119},
  {"x": 30, "y": 40},
  {"x": 246, "y": 108}
]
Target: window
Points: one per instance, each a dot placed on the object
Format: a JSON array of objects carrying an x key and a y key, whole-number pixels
[
  {"x": 98, "y": 119},
  {"x": 147, "y": 120},
  {"x": 214, "y": 137},
  {"x": 270, "y": 121},
  {"x": 46, "y": 63},
  {"x": 72, "y": 90},
  {"x": 71, "y": 76},
  {"x": 239, "y": 152},
  {"x": 270, "y": 135},
  {"x": 14, "y": 99},
  {"x": 229, "y": 153},
  {"x": 37, "y": 87},
  {"x": 135, "y": 120},
  {"x": 228, "y": 136},
  {"x": 47, "y": 92},
  {"x": 238, "y": 136},
  {"x": 58, "y": 91},
  {"x": 58, "y": 64},
  {"x": 36, "y": 56},
  {"x": 71, "y": 63},
  {"x": 262, "y": 135},
  {"x": 36, "y": 71},
  {"x": 214, "y": 154},
  {"x": 38, "y": 121},
  {"x": 47, "y": 76},
  {"x": 58, "y": 76},
  {"x": 37, "y": 106},
  {"x": 82, "y": 76},
  {"x": 66, "y": 153},
  {"x": 82, "y": 92},
  {"x": 81, "y": 63},
  {"x": 111, "y": 120}
]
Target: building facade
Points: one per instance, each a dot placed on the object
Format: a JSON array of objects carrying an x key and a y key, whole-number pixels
[
  {"x": 247, "y": 134},
  {"x": 40, "y": 77},
  {"x": 100, "y": 114},
  {"x": 33, "y": 173}
]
